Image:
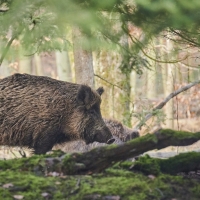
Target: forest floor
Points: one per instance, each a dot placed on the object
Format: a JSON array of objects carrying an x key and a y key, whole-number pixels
[{"x": 118, "y": 182}]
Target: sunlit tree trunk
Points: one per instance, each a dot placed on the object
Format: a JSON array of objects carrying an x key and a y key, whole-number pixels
[
  {"x": 168, "y": 88},
  {"x": 151, "y": 74},
  {"x": 25, "y": 65},
  {"x": 126, "y": 88},
  {"x": 9, "y": 63},
  {"x": 63, "y": 66},
  {"x": 38, "y": 65},
  {"x": 83, "y": 60}
]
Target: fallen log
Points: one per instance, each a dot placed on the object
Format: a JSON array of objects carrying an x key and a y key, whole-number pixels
[
  {"x": 98, "y": 159},
  {"x": 184, "y": 162}
]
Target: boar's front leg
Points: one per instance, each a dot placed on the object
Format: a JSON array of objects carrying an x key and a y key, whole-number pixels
[
  {"x": 42, "y": 148},
  {"x": 43, "y": 145}
]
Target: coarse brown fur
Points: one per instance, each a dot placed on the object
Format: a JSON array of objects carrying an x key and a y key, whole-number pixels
[
  {"x": 120, "y": 132},
  {"x": 39, "y": 112}
]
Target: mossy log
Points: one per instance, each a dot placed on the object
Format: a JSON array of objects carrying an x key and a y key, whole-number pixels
[
  {"x": 101, "y": 158},
  {"x": 184, "y": 162}
]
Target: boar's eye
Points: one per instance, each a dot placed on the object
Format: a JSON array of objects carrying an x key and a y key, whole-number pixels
[{"x": 92, "y": 112}]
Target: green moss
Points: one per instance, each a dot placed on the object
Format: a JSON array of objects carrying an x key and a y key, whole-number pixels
[
  {"x": 176, "y": 134},
  {"x": 68, "y": 164},
  {"x": 121, "y": 182},
  {"x": 144, "y": 139},
  {"x": 55, "y": 153},
  {"x": 180, "y": 163},
  {"x": 147, "y": 165},
  {"x": 118, "y": 180},
  {"x": 123, "y": 165},
  {"x": 111, "y": 146}
]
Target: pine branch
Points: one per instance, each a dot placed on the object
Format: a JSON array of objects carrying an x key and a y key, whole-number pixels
[{"x": 6, "y": 50}]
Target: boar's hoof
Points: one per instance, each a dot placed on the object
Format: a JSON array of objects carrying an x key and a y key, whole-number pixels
[{"x": 110, "y": 141}]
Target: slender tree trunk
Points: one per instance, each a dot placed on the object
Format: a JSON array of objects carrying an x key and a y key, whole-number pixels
[
  {"x": 25, "y": 65},
  {"x": 151, "y": 75},
  {"x": 4, "y": 69},
  {"x": 63, "y": 66},
  {"x": 38, "y": 65},
  {"x": 169, "y": 87},
  {"x": 133, "y": 80},
  {"x": 126, "y": 87},
  {"x": 83, "y": 60}
]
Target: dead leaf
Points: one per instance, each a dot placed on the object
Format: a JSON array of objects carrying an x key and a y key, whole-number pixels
[
  {"x": 45, "y": 194},
  {"x": 152, "y": 177},
  {"x": 7, "y": 185},
  {"x": 18, "y": 196}
]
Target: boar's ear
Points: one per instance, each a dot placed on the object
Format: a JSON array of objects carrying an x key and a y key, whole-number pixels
[
  {"x": 100, "y": 90},
  {"x": 84, "y": 95}
]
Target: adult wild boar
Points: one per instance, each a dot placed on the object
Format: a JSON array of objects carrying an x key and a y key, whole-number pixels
[
  {"x": 38, "y": 112},
  {"x": 120, "y": 132}
]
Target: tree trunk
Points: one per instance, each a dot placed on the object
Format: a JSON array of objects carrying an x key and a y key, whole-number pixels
[
  {"x": 126, "y": 87},
  {"x": 38, "y": 65},
  {"x": 151, "y": 75},
  {"x": 169, "y": 87},
  {"x": 184, "y": 162},
  {"x": 63, "y": 66},
  {"x": 83, "y": 60},
  {"x": 25, "y": 65},
  {"x": 4, "y": 69}
]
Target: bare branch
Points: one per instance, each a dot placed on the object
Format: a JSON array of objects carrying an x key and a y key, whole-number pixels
[
  {"x": 140, "y": 45},
  {"x": 108, "y": 82},
  {"x": 163, "y": 103}
]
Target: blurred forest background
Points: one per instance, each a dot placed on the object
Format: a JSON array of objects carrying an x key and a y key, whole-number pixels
[{"x": 138, "y": 50}]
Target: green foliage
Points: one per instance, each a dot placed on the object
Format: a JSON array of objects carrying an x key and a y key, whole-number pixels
[
  {"x": 154, "y": 16},
  {"x": 43, "y": 25}
]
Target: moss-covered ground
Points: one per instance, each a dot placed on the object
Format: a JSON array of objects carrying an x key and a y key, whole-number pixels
[{"x": 117, "y": 182}]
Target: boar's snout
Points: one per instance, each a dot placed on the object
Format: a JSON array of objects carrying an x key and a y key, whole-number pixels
[
  {"x": 132, "y": 135},
  {"x": 110, "y": 141},
  {"x": 103, "y": 135}
]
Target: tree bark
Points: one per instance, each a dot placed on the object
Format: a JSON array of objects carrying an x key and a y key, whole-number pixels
[
  {"x": 63, "y": 66},
  {"x": 25, "y": 65},
  {"x": 83, "y": 60},
  {"x": 169, "y": 87},
  {"x": 38, "y": 65}
]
